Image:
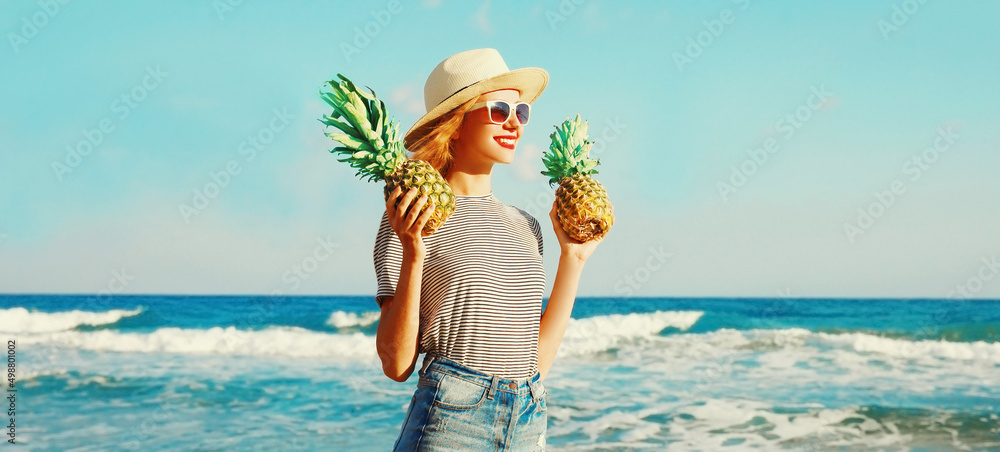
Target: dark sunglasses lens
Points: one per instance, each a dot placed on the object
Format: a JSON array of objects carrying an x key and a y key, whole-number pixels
[
  {"x": 499, "y": 112},
  {"x": 523, "y": 111}
]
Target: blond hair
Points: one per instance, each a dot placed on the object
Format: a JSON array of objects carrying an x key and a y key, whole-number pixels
[{"x": 433, "y": 142}]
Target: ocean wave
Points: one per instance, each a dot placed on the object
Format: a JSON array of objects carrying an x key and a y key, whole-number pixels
[
  {"x": 642, "y": 332},
  {"x": 20, "y": 320},
  {"x": 604, "y": 332},
  {"x": 637, "y": 337},
  {"x": 33, "y": 374},
  {"x": 907, "y": 349},
  {"x": 342, "y": 319},
  {"x": 583, "y": 336},
  {"x": 982, "y": 332},
  {"x": 742, "y": 424},
  {"x": 862, "y": 343},
  {"x": 275, "y": 341},
  {"x": 752, "y": 424}
]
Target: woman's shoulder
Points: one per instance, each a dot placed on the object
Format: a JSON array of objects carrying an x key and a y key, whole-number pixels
[
  {"x": 519, "y": 212},
  {"x": 520, "y": 215},
  {"x": 525, "y": 225},
  {"x": 514, "y": 211}
]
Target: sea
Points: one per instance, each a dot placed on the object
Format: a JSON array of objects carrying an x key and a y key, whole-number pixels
[{"x": 262, "y": 373}]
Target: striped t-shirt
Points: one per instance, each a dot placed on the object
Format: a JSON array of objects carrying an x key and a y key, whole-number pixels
[{"x": 481, "y": 289}]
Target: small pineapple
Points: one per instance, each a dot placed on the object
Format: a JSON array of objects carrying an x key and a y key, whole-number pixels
[
  {"x": 372, "y": 144},
  {"x": 582, "y": 203}
]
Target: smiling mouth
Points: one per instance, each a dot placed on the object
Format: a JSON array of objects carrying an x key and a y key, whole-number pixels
[{"x": 506, "y": 142}]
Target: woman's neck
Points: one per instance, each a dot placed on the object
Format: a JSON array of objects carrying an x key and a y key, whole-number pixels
[{"x": 469, "y": 184}]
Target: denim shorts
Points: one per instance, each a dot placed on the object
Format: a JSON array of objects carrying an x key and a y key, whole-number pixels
[{"x": 459, "y": 409}]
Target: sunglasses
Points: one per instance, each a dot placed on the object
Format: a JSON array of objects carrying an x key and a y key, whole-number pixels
[{"x": 500, "y": 111}]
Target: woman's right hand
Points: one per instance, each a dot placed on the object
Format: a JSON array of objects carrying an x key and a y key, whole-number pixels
[{"x": 407, "y": 220}]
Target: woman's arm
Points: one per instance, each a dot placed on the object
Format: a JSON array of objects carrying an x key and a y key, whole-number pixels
[
  {"x": 399, "y": 322},
  {"x": 573, "y": 256}
]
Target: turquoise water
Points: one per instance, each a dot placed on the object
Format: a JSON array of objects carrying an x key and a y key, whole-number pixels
[{"x": 159, "y": 373}]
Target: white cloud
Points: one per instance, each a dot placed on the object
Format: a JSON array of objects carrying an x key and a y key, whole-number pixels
[
  {"x": 527, "y": 165},
  {"x": 407, "y": 98},
  {"x": 595, "y": 20},
  {"x": 482, "y": 18}
]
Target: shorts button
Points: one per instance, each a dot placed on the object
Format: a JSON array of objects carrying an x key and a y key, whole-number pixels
[{"x": 512, "y": 386}]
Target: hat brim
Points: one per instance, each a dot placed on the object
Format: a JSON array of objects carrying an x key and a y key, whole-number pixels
[{"x": 529, "y": 81}]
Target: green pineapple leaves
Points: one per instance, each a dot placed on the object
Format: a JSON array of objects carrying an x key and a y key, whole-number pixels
[
  {"x": 370, "y": 141},
  {"x": 569, "y": 152}
]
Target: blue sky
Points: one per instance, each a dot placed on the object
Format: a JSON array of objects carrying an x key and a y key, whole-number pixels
[{"x": 686, "y": 98}]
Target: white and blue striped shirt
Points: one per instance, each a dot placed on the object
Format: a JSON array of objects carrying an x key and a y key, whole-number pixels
[{"x": 481, "y": 289}]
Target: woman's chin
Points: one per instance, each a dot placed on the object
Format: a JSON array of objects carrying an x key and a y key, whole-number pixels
[{"x": 505, "y": 157}]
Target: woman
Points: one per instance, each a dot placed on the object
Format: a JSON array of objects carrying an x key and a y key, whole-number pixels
[{"x": 470, "y": 295}]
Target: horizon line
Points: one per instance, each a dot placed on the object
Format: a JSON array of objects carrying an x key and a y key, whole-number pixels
[{"x": 643, "y": 297}]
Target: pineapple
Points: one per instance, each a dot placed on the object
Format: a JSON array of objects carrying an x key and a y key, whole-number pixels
[
  {"x": 582, "y": 203},
  {"x": 372, "y": 144}
]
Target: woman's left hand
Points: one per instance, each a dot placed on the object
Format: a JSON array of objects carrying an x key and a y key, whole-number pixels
[{"x": 571, "y": 247}]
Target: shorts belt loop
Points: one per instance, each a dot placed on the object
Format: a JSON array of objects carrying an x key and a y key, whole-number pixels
[
  {"x": 428, "y": 359},
  {"x": 535, "y": 391},
  {"x": 493, "y": 387}
]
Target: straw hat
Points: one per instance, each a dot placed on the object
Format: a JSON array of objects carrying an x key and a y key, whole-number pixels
[{"x": 468, "y": 74}]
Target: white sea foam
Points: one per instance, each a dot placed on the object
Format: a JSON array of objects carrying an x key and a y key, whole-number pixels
[
  {"x": 785, "y": 345},
  {"x": 341, "y": 319},
  {"x": 274, "y": 341},
  {"x": 907, "y": 349},
  {"x": 870, "y": 344},
  {"x": 636, "y": 428},
  {"x": 716, "y": 423},
  {"x": 634, "y": 338},
  {"x": 20, "y": 320},
  {"x": 600, "y": 333},
  {"x": 31, "y": 374},
  {"x": 727, "y": 361},
  {"x": 583, "y": 336}
]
